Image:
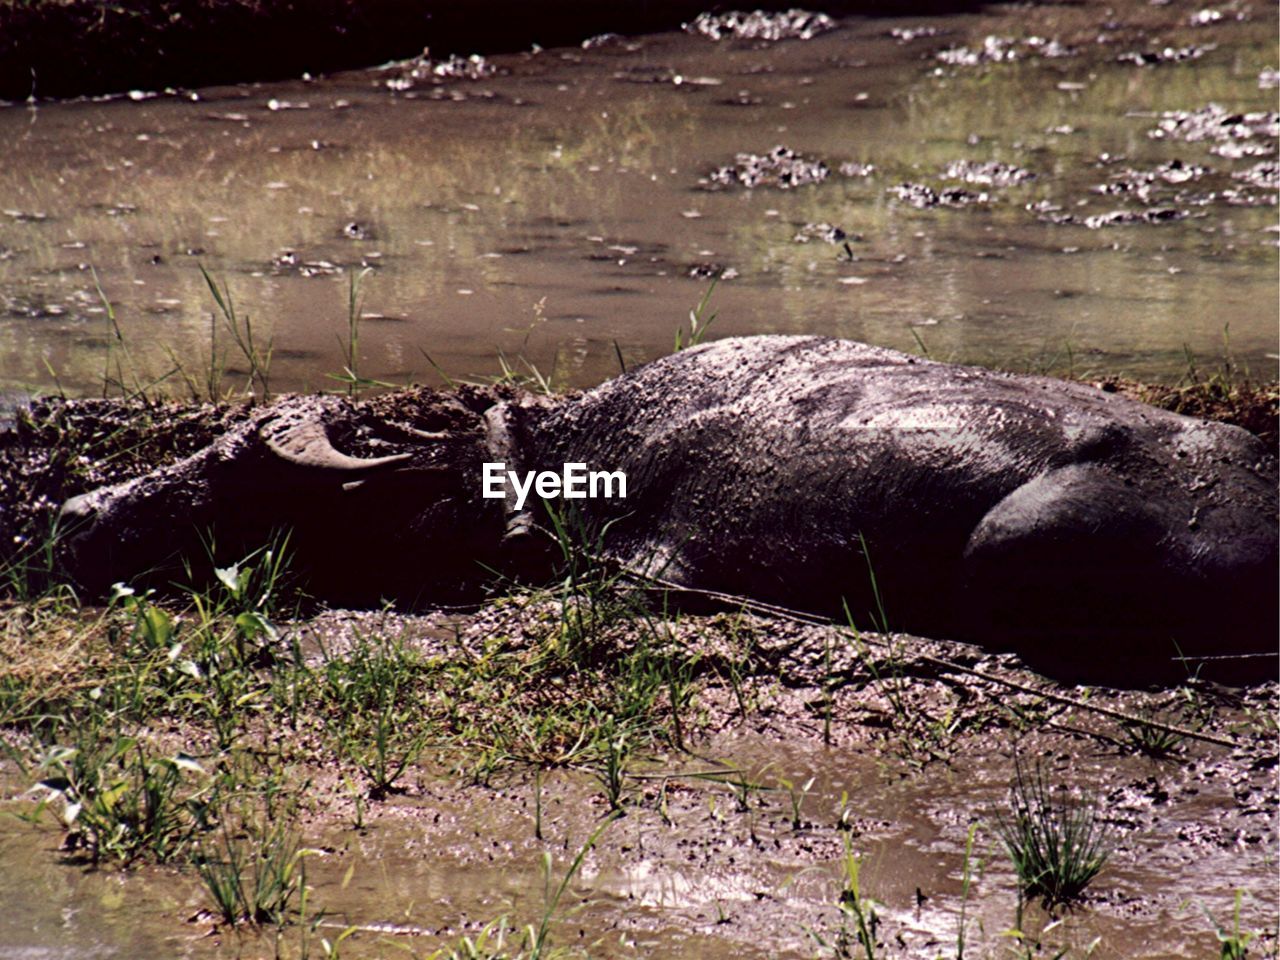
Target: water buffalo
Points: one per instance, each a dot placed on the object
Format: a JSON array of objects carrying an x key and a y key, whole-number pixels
[{"x": 1076, "y": 526}]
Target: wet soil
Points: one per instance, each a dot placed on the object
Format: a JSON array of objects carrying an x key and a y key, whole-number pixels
[{"x": 891, "y": 747}]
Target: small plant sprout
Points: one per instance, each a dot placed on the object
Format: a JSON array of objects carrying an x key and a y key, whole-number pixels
[
  {"x": 537, "y": 803},
  {"x": 371, "y": 695},
  {"x": 966, "y": 882},
  {"x": 1057, "y": 844},
  {"x": 118, "y": 802},
  {"x": 351, "y": 346},
  {"x": 856, "y": 908},
  {"x": 612, "y": 772},
  {"x": 1152, "y": 740},
  {"x": 736, "y": 667},
  {"x": 855, "y": 905},
  {"x": 540, "y": 938},
  {"x": 116, "y": 339},
  {"x": 256, "y": 353},
  {"x": 698, "y": 326},
  {"x": 255, "y": 878},
  {"x": 352, "y": 350},
  {"x": 797, "y": 796},
  {"x": 533, "y": 942},
  {"x": 844, "y": 818},
  {"x": 828, "y": 690},
  {"x": 522, "y": 372},
  {"x": 1233, "y": 943}
]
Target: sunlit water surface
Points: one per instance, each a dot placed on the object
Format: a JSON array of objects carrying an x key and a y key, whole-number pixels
[{"x": 556, "y": 213}]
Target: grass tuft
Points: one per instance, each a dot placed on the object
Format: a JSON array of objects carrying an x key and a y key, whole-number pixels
[
  {"x": 699, "y": 322},
  {"x": 1057, "y": 844},
  {"x": 254, "y": 876},
  {"x": 118, "y": 801},
  {"x": 1233, "y": 943},
  {"x": 376, "y": 720}
]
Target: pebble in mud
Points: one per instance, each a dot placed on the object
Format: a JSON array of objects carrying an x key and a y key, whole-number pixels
[
  {"x": 712, "y": 271},
  {"x": 1151, "y": 58},
  {"x": 1050, "y": 213},
  {"x": 601, "y": 40},
  {"x": 907, "y": 34},
  {"x": 28, "y": 309},
  {"x": 289, "y": 262},
  {"x": 781, "y": 167},
  {"x": 922, "y": 196},
  {"x": 1265, "y": 175},
  {"x": 760, "y": 25},
  {"x": 1141, "y": 183},
  {"x": 422, "y": 69},
  {"x": 1202, "y": 18},
  {"x": 992, "y": 173},
  {"x": 25, "y": 216},
  {"x": 852, "y": 169},
  {"x": 824, "y": 232},
  {"x": 1215, "y": 122},
  {"x": 1003, "y": 50}
]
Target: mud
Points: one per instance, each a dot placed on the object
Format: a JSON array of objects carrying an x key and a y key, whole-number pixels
[
  {"x": 825, "y": 742},
  {"x": 1265, "y": 175},
  {"x": 1124, "y": 217},
  {"x": 825, "y": 233},
  {"x": 1144, "y": 184},
  {"x": 991, "y": 173},
  {"x": 922, "y": 196},
  {"x": 50, "y": 448}
]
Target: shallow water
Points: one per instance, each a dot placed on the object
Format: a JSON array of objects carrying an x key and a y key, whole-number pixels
[
  {"x": 555, "y": 210},
  {"x": 693, "y": 873},
  {"x": 52, "y": 910}
]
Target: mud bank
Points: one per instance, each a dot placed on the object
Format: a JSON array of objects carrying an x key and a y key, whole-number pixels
[
  {"x": 65, "y": 49},
  {"x": 725, "y": 816}
]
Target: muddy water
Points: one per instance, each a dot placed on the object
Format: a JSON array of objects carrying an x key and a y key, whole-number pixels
[
  {"x": 558, "y": 207},
  {"x": 691, "y": 872},
  {"x": 55, "y": 911}
]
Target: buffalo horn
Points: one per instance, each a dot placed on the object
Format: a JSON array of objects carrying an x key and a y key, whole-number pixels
[{"x": 306, "y": 444}]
